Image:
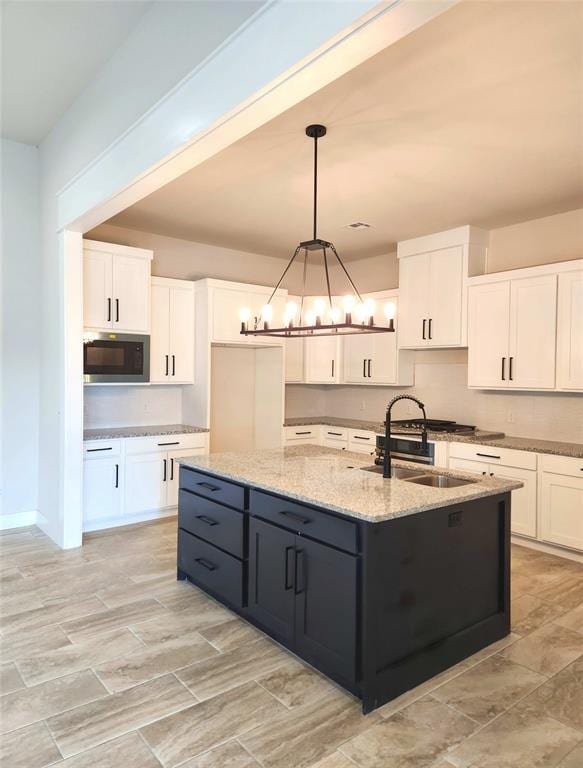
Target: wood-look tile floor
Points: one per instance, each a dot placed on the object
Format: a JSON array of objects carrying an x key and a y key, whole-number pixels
[{"x": 108, "y": 662}]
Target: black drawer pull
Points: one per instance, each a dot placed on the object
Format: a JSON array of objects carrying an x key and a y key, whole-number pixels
[
  {"x": 207, "y": 520},
  {"x": 109, "y": 310},
  {"x": 488, "y": 455},
  {"x": 358, "y": 437},
  {"x": 166, "y": 365},
  {"x": 337, "y": 434},
  {"x": 503, "y": 377},
  {"x": 429, "y": 335},
  {"x": 117, "y": 475},
  {"x": 176, "y": 443},
  {"x": 209, "y": 487},
  {"x": 510, "y": 361},
  {"x": 117, "y": 310},
  {"x": 424, "y": 328},
  {"x": 206, "y": 563},
  {"x": 309, "y": 432},
  {"x": 96, "y": 450},
  {"x": 295, "y": 516}
]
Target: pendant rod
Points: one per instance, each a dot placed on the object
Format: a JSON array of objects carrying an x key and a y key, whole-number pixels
[
  {"x": 315, "y": 183},
  {"x": 291, "y": 261},
  {"x": 327, "y": 278},
  {"x": 304, "y": 285},
  {"x": 335, "y": 252}
]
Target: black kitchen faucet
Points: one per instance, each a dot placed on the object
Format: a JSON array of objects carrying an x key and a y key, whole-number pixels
[{"x": 387, "y": 456}]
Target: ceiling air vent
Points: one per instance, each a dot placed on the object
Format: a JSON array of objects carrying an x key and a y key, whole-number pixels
[{"x": 358, "y": 225}]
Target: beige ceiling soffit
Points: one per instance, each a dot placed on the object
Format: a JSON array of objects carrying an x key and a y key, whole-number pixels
[{"x": 372, "y": 33}]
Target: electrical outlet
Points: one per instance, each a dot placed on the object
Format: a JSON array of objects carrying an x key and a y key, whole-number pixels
[
  {"x": 363, "y": 405},
  {"x": 510, "y": 417}
]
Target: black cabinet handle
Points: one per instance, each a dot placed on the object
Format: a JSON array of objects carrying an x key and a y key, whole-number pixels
[
  {"x": 332, "y": 368},
  {"x": 424, "y": 321},
  {"x": 109, "y": 310},
  {"x": 117, "y": 475},
  {"x": 206, "y": 563},
  {"x": 299, "y": 573},
  {"x": 336, "y": 434},
  {"x": 177, "y": 442},
  {"x": 294, "y": 516},
  {"x": 287, "y": 585},
  {"x": 174, "y": 365},
  {"x": 207, "y": 520},
  {"x": 209, "y": 487},
  {"x": 488, "y": 455},
  {"x": 167, "y": 363},
  {"x": 429, "y": 328},
  {"x": 503, "y": 367},
  {"x": 97, "y": 450},
  {"x": 309, "y": 432},
  {"x": 358, "y": 437},
  {"x": 364, "y": 368},
  {"x": 117, "y": 310},
  {"x": 510, "y": 361},
  {"x": 172, "y": 469},
  {"x": 369, "y": 362},
  {"x": 165, "y": 462}
]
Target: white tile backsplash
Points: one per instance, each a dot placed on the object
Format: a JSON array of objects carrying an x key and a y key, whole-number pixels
[
  {"x": 121, "y": 406},
  {"x": 440, "y": 382}
]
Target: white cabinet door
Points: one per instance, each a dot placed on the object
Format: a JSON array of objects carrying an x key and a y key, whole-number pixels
[
  {"x": 294, "y": 360},
  {"x": 160, "y": 334},
  {"x": 226, "y": 323},
  {"x": 570, "y": 331},
  {"x": 444, "y": 311},
  {"x": 414, "y": 292},
  {"x": 145, "y": 486},
  {"x": 181, "y": 335},
  {"x": 101, "y": 490},
  {"x": 533, "y": 308},
  {"x": 488, "y": 323},
  {"x": 321, "y": 360},
  {"x": 97, "y": 290},
  {"x": 357, "y": 351},
  {"x": 523, "y": 502},
  {"x": 131, "y": 294},
  {"x": 562, "y": 510}
]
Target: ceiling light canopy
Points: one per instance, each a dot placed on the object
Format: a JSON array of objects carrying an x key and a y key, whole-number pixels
[{"x": 323, "y": 318}]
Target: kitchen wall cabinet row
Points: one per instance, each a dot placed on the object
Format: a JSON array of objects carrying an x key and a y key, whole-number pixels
[
  {"x": 128, "y": 480},
  {"x": 525, "y": 329}
]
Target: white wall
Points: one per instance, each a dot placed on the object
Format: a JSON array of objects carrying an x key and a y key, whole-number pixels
[{"x": 20, "y": 332}]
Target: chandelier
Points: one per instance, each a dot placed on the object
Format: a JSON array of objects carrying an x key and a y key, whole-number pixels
[{"x": 323, "y": 318}]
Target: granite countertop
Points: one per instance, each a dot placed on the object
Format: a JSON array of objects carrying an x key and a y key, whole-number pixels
[
  {"x": 110, "y": 433},
  {"x": 483, "y": 437},
  {"x": 333, "y": 480}
]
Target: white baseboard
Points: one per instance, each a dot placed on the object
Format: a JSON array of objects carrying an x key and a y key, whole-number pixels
[
  {"x": 549, "y": 549},
  {"x": 117, "y": 522},
  {"x": 18, "y": 520}
]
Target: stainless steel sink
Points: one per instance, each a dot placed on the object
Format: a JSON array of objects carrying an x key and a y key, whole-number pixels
[
  {"x": 439, "y": 481},
  {"x": 400, "y": 473}
]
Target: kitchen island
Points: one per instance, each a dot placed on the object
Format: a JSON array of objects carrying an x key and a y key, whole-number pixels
[{"x": 380, "y": 584}]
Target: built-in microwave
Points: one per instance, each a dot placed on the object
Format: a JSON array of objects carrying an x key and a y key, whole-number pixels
[{"x": 115, "y": 358}]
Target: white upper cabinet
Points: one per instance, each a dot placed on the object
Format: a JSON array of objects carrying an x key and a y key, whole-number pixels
[
  {"x": 172, "y": 337},
  {"x": 433, "y": 272},
  {"x": 374, "y": 358},
  {"x": 570, "y": 331},
  {"x": 321, "y": 360},
  {"x": 116, "y": 287},
  {"x": 225, "y": 301},
  {"x": 512, "y": 332},
  {"x": 294, "y": 361}
]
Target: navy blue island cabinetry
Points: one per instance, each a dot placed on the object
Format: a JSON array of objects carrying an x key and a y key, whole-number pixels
[{"x": 377, "y": 605}]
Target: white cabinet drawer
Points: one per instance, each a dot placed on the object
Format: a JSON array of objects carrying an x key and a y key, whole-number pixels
[
  {"x": 99, "y": 449},
  {"x": 492, "y": 455},
  {"x": 362, "y": 441},
  {"x": 299, "y": 435},
  {"x": 135, "y": 445},
  {"x": 336, "y": 434},
  {"x": 561, "y": 465}
]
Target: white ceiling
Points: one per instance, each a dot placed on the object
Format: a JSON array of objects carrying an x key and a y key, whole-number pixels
[
  {"x": 50, "y": 51},
  {"x": 477, "y": 118}
]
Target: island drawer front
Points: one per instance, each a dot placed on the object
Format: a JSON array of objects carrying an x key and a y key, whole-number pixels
[
  {"x": 214, "y": 488},
  {"x": 509, "y": 457},
  {"x": 219, "y": 525},
  {"x": 561, "y": 465},
  {"x": 220, "y": 573},
  {"x": 305, "y": 520},
  {"x": 165, "y": 442}
]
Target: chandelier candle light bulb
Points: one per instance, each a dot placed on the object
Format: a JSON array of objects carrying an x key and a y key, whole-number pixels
[
  {"x": 244, "y": 315},
  {"x": 266, "y": 315}
]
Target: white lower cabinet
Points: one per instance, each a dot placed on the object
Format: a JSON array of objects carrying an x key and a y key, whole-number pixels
[
  {"x": 362, "y": 441},
  {"x": 561, "y": 501},
  {"x": 305, "y": 435},
  {"x": 133, "y": 479}
]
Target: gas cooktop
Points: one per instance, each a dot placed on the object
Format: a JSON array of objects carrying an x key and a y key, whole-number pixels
[{"x": 432, "y": 425}]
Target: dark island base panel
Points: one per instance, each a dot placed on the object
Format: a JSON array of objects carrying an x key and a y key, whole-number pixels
[{"x": 377, "y": 607}]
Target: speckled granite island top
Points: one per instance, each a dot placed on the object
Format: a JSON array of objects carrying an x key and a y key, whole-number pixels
[
  {"x": 334, "y": 480},
  {"x": 111, "y": 433},
  {"x": 480, "y": 436}
]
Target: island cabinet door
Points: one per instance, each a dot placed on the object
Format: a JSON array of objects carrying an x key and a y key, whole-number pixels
[
  {"x": 271, "y": 579},
  {"x": 326, "y": 608}
]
